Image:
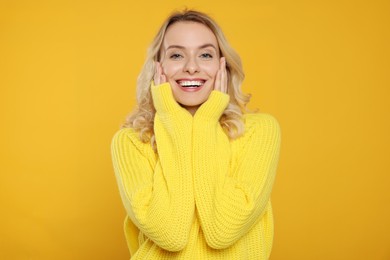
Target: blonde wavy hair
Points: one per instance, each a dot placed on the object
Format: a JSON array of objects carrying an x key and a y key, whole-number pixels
[{"x": 141, "y": 119}]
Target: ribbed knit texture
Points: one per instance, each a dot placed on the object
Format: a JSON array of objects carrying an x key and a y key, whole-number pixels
[{"x": 201, "y": 196}]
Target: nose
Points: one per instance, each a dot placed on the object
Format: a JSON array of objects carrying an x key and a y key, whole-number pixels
[{"x": 191, "y": 66}]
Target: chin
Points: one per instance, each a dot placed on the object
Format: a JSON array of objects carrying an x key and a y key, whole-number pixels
[
  {"x": 192, "y": 100},
  {"x": 190, "y": 104}
]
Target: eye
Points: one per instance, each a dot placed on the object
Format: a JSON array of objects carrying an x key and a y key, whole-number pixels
[
  {"x": 206, "y": 56},
  {"x": 175, "y": 56}
]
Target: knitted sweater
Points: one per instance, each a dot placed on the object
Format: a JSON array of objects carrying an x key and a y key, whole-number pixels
[{"x": 201, "y": 195}]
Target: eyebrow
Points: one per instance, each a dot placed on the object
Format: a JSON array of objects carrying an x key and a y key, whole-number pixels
[{"x": 200, "y": 47}]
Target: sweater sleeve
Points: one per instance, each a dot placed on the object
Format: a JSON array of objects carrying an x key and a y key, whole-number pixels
[
  {"x": 158, "y": 194},
  {"x": 230, "y": 201}
]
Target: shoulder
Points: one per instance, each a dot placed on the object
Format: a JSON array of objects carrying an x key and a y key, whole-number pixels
[
  {"x": 261, "y": 129},
  {"x": 123, "y": 135},
  {"x": 128, "y": 138},
  {"x": 261, "y": 135},
  {"x": 260, "y": 122}
]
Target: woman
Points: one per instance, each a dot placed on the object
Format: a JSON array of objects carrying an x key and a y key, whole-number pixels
[{"x": 194, "y": 169}]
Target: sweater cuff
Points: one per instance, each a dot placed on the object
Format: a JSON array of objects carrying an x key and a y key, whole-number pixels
[
  {"x": 214, "y": 106},
  {"x": 163, "y": 99}
]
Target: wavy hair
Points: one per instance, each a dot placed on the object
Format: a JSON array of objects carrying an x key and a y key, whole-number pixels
[{"x": 141, "y": 119}]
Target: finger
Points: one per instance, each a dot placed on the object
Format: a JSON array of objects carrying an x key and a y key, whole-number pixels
[
  {"x": 163, "y": 79},
  {"x": 223, "y": 76},
  {"x": 217, "y": 83}
]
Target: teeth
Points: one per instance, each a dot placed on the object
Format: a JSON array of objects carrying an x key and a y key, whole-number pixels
[{"x": 191, "y": 83}]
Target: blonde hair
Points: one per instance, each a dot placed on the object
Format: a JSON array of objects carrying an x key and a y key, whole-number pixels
[{"x": 141, "y": 119}]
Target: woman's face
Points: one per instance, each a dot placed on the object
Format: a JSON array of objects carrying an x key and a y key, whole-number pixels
[{"x": 190, "y": 61}]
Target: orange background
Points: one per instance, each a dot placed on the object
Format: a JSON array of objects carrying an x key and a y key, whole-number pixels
[{"x": 68, "y": 72}]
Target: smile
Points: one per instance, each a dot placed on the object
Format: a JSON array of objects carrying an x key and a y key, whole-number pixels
[{"x": 191, "y": 83}]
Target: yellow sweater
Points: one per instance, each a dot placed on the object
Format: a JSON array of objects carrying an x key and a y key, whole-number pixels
[{"x": 201, "y": 196}]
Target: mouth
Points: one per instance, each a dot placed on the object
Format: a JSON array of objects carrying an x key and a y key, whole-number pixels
[{"x": 194, "y": 83}]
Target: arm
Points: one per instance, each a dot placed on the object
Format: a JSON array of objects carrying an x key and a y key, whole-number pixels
[
  {"x": 158, "y": 192},
  {"x": 230, "y": 201}
]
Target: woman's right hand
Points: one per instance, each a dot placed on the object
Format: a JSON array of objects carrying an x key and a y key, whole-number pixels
[{"x": 159, "y": 77}]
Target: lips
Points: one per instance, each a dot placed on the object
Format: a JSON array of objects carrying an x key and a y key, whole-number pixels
[{"x": 191, "y": 83}]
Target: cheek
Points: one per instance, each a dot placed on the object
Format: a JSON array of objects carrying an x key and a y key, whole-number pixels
[
  {"x": 212, "y": 70},
  {"x": 170, "y": 68}
]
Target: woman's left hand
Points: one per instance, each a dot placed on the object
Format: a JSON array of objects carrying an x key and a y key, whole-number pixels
[{"x": 221, "y": 78}]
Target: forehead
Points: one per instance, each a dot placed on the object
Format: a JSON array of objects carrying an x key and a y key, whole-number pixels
[{"x": 189, "y": 35}]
